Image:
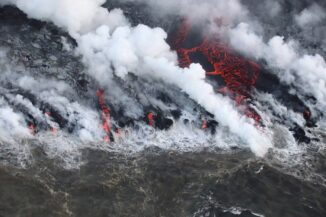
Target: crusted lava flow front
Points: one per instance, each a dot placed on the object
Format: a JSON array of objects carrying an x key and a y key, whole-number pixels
[{"x": 239, "y": 74}]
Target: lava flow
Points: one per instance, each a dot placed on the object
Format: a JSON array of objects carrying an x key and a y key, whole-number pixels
[
  {"x": 105, "y": 112},
  {"x": 151, "y": 120},
  {"x": 239, "y": 74}
]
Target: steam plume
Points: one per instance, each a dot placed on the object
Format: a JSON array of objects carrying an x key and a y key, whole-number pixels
[{"x": 110, "y": 46}]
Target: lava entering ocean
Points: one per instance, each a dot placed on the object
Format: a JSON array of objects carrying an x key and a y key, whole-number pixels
[
  {"x": 105, "y": 113},
  {"x": 239, "y": 74}
]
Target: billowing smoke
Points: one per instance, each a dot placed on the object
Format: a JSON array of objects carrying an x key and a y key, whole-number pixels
[
  {"x": 312, "y": 15},
  {"x": 11, "y": 123},
  {"x": 290, "y": 62},
  {"x": 111, "y": 47},
  {"x": 245, "y": 27},
  {"x": 72, "y": 15}
]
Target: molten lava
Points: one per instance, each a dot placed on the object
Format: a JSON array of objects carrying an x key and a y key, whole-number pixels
[
  {"x": 151, "y": 121},
  {"x": 238, "y": 73},
  {"x": 105, "y": 112},
  {"x": 204, "y": 125}
]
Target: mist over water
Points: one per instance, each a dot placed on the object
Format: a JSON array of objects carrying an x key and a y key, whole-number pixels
[{"x": 152, "y": 110}]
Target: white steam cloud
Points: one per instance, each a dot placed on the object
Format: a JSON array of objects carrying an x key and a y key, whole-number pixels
[
  {"x": 310, "y": 16},
  {"x": 72, "y": 15},
  {"x": 11, "y": 124},
  {"x": 110, "y": 45},
  {"x": 306, "y": 72},
  {"x": 286, "y": 56}
]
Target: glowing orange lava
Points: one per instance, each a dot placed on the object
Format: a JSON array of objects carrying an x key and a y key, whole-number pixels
[
  {"x": 105, "y": 112},
  {"x": 238, "y": 73},
  {"x": 151, "y": 120},
  {"x": 204, "y": 125}
]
